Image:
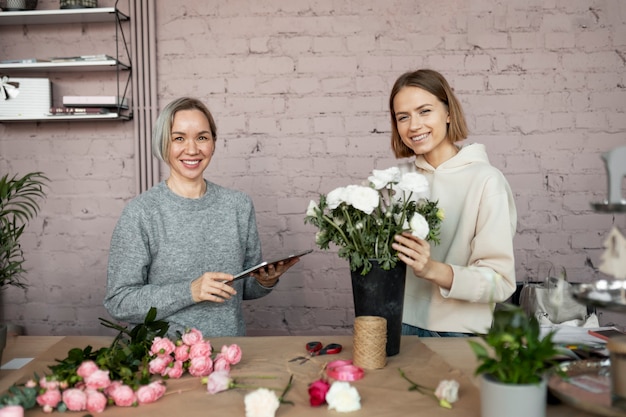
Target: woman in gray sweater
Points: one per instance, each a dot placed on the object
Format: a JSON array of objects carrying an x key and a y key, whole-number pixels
[{"x": 177, "y": 245}]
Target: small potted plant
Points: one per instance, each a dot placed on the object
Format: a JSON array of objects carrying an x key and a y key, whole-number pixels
[
  {"x": 18, "y": 205},
  {"x": 513, "y": 364}
]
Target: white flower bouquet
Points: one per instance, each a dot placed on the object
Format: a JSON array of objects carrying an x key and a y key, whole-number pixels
[{"x": 363, "y": 220}]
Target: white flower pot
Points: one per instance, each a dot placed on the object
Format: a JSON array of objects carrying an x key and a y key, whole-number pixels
[{"x": 512, "y": 400}]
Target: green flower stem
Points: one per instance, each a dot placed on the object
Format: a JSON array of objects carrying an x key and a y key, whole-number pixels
[
  {"x": 423, "y": 390},
  {"x": 332, "y": 223},
  {"x": 281, "y": 399},
  {"x": 350, "y": 223}
]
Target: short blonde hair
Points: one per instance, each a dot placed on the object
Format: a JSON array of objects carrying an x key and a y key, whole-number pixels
[
  {"x": 163, "y": 125},
  {"x": 435, "y": 83}
]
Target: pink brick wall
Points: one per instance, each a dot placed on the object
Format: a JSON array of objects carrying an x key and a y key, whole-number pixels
[{"x": 299, "y": 90}]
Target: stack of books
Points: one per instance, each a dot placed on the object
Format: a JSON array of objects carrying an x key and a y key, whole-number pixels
[{"x": 89, "y": 105}]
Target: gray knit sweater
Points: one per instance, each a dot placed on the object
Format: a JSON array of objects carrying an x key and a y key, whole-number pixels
[{"x": 162, "y": 242}]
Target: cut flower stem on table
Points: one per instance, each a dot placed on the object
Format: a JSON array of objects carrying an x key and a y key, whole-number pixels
[{"x": 446, "y": 392}]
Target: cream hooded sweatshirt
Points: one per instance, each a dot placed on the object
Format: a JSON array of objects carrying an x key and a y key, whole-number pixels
[{"x": 476, "y": 240}]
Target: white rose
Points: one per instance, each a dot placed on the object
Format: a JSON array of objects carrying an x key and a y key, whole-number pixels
[
  {"x": 380, "y": 178},
  {"x": 447, "y": 390},
  {"x": 415, "y": 183},
  {"x": 312, "y": 210},
  {"x": 261, "y": 403},
  {"x": 419, "y": 226},
  {"x": 362, "y": 198},
  {"x": 336, "y": 197},
  {"x": 343, "y": 397}
]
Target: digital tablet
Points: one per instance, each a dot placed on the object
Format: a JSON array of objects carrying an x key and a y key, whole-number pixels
[{"x": 271, "y": 262}]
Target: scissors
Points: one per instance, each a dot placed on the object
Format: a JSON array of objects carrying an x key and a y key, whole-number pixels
[{"x": 316, "y": 349}]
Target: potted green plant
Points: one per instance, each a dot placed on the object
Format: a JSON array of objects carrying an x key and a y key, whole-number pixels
[
  {"x": 18, "y": 205},
  {"x": 513, "y": 364}
]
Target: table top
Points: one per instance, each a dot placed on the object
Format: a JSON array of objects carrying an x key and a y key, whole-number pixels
[{"x": 383, "y": 391}]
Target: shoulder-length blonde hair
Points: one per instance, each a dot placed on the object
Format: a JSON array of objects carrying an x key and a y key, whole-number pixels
[
  {"x": 163, "y": 125},
  {"x": 435, "y": 83}
]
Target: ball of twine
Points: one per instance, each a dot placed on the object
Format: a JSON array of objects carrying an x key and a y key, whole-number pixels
[{"x": 369, "y": 342}]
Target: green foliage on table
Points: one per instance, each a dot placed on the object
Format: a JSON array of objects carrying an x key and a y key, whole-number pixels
[
  {"x": 514, "y": 352},
  {"x": 18, "y": 205},
  {"x": 126, "y": 359}
]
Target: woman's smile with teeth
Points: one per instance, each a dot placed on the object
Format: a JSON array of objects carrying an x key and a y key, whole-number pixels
[
  {"x": 196, "y": 162},
  {"x": 420, "y": 137}
]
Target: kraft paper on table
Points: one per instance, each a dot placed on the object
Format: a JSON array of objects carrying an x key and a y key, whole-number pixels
[{"x": 383, "y": 391}]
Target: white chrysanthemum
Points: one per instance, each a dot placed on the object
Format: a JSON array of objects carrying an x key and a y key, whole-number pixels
[
  {"x": 381, "y": 178},
  {"x": 313, "y": 209},
  {"x": 261, "y": 403},
  {"x": 336, "y": 197},
  {"x": 419, "y": 226},
  {"x": 343, "y": 397},
  {"x": 415, "y": 183},
  {"x": 362, "y": 198}
]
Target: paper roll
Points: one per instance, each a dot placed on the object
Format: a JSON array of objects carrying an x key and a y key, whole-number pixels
[{"x": 369, "y": 342}]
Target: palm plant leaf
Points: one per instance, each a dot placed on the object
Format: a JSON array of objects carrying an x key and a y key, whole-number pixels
[{"x": 19, "y": 203}]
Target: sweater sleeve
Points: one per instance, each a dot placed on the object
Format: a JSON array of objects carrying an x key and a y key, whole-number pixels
[
  {"x": 489, "y": 276},
  {"x": 129, "y": 295},
  {"x": 252, "y": 288}
]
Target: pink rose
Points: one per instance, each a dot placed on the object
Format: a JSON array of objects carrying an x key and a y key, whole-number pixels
[
  {"x": 86, "y": 368},
  {"x": 31, "y": 383},
  {"x": 12, "y": 411},
  {"x": 45, "y": 384},
  {"x": 51, "y": 397},
  {"x": 218, "y": 381},
  {"x": 123, "y": 396},
  {"x": 201, "y": 349},
  {"x": 220, "y": 363},
  {"x": 157, "y": 365},
  {"x": 96, "y": 401},
  {"x": 232, "y": 353},
  {"x": 162, "y": 346},
  {"x": 175, "y": 370},
  {"x": 192, "y": 337},
  {"x": 317, "y": 392},
  {"x": 181, "y": 353},
  {"x": 75, "y": 399},
  {"x": 200, "y": 366},
  {"x": 151, "y": 392},
  {"x": 114, "y": 385},
  {"x": 98, "y": 380}
]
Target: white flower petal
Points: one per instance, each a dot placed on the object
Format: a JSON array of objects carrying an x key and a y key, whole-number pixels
[
  {"x": 362, "y": 198},
  {"x": 343, "y": 397},
  {"x": 419, "y": 226}
]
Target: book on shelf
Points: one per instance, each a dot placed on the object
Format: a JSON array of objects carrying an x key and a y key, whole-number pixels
[
  {"x": 82, "y": 58},
  {"x": 63, "y": 111},
  {"x": 23, "y": 61},
  {"x": 96, "y": 101}
]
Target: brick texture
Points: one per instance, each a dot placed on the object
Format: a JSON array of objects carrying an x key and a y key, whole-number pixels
[{"x": 299, "y": 90}]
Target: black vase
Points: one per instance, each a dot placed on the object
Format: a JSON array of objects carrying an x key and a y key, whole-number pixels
[{"x": 381, "y": 293}]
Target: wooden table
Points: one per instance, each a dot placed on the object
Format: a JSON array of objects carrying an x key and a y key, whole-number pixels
[{"x": 383, "y": 392}]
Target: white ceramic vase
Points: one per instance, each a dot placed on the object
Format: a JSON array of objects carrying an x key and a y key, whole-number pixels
[{"x": 512, "y": 400}]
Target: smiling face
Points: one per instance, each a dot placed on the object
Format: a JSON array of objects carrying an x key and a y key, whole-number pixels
[
  {"x": 422, "y": 123},
  {"x": 191, "y": 145}
]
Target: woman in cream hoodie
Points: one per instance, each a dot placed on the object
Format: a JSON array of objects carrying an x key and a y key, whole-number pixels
[{"x": 452, "y": 287}]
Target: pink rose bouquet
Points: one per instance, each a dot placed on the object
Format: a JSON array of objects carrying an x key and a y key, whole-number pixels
[{"x": 190, "y": 353}]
